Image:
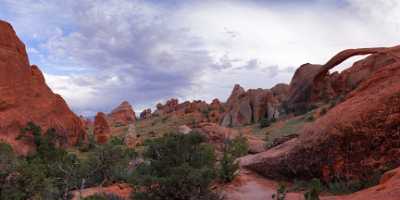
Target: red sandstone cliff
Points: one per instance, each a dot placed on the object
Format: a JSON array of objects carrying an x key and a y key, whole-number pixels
[{"x": 25, "y": 97}]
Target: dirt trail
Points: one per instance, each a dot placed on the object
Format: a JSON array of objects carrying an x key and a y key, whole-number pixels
[{"x": 249, "y": 185}]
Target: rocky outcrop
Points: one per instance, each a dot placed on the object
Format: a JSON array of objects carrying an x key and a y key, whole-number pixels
[
  {"x": 123, "y": 114},
  {"x": 131, "y": 138},
  {"x": 246, "y": 107},
  {"x": 354, "y": 139},
  {"x": 201, "y": 111},
  {"x": 169, "y": 107},
  {"x": 145, "y": 114},
  {"x": 25, "y": 97},
  {"x": 102, "y": 129},
  {"x": 313, "y": 85}
]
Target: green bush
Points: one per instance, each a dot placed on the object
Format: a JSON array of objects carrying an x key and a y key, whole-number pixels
[
  {"x": 264, "y": 122},
  {"x": 176, "y": 167},
  {"x": 314, "y": 190},
  {"x": 340, "y": 186},
  {"x": 280, "y": 192},
  {"x": 323, "y": 111},
  {"x": 228, "y": 168},
  {"x": 52, "y": 172}
]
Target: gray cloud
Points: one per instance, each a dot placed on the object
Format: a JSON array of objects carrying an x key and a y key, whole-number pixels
[
  {"x": 135, "y": 47},
  {"x": 98, "y": 53}
]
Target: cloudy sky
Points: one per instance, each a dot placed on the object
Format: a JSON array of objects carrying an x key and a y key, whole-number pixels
[{"x": 97, "y": 53}]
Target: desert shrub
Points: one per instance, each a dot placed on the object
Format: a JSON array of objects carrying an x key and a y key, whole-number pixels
[
  {"x": 313, "y": 192},
  {"x": 280, "y": 192},
  {"x": 205, "y": 112},
  {"x": 108, "y": 163},
  {"x": 341, "y": 186},
  {"x": 264, "y": 122},
  {"x": 323, "y": 111},
  {"x": 52, "y": 172},
  {"x": 176, "y": 167},
  {"x": 8, "y": 160},
  {"x": 237, "y": 147},
  {"x": 228, "y": 166},
  {"x": 90, "y": 145},
  {"x": 310, "y": 118}
]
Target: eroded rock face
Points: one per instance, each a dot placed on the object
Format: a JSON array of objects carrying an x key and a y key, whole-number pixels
[
  {"x": 246, "y": 107},
  {"x": 145, "y": 114},
  {"x": 123, "y": 114},
  {"x": 312, "y": 84},
  {"x": 25, "y": 97},
  {"x": 102, "y": 129},
  {"x": 354, "y": 139}
]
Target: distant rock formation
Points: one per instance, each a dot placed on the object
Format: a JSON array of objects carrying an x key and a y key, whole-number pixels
[
  {"x": 145, "y": 114},
  {"x": 201, "y": 111},
  {"x": 123, "y": 114},
  {"x": 102, "y": 129},
  {"x": 357, "y": 137},
  {"x": 25, "y": 97},
  {"x": 247, "y": 107}
]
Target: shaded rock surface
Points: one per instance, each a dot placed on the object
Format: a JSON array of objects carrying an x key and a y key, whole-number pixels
[
  {"x": 25, "y": 97},
  {"x": 246, "y": 107},
  {"x": 102, "y": 129},
  {"x": 145, "y": 114}
]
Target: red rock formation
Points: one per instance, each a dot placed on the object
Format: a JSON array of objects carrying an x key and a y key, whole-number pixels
[
  {"x": 123, "y": 114},
  {"x": 145, "y": 114},
  {"x": 312, "y": 84},
  {"x": 354, "y": 139},
  {"x": 246, "y": 107},
  {"x": 25, "y": 97},
  {"x": 102, "y": 130},
  {"x": 170, "y": 106},
  {"x": 123, "y": 191}
]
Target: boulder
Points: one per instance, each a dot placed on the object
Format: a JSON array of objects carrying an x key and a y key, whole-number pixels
[
  {"x": 25, "y": 97},
  {"x": 102, "y": 130},
  {"x": 123, "y": 114},
  {"x": 355, "y": 139}
]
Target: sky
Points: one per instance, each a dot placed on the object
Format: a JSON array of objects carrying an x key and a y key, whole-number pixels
[{"x": 98, "y": 53}]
